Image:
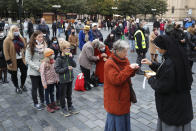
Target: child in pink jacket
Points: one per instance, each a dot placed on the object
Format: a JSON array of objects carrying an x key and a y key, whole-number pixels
[{"x": 49, "y": 78}]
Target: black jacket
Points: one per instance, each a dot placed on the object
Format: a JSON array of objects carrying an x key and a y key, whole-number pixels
[
  {"x": 156, "y": 24},
  {"x": 61, "y": 67},
  {"x": 119, "y": 32},
  {"x": 190, "y": 45},
  {"x": 174, "y": 108},
  {"x": 30, "y": 27}
]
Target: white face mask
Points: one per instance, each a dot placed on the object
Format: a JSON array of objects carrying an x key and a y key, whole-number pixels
[
  {"x": 2, "y": 34},
  {"x": 120, "y": 25},
  {"x": 39, "y": 43},
  {"x": 16, "y": 33},
  {"x": 52, "y": 57}
]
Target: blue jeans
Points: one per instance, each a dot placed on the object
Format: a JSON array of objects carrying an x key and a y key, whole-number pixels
[
  {"x": 132, "y": 45},
  {"x": 49, "y": 92},
  {"x": 161, "y": 32},
  {"x": 118, "y": 122},
  {"x": 60, "y": 30}
]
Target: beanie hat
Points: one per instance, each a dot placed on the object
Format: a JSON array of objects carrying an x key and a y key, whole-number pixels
[
  {"x": 48, "y": 52},
  {"x": 87, "y": 28}
]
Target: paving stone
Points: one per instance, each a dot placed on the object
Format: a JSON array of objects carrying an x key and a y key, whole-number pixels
[
  {"x": 74, "y": 129},
  {"x": 100, "y": 123},
  {"x": 90, "y": 124},
  {"x": 7, "y": 123}
]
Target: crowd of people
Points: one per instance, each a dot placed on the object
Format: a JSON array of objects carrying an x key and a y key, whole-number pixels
[{"x": 50, "y": 64}]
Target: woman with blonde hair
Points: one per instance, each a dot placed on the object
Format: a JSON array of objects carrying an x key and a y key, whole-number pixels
[{"x": 14, "y": 48}]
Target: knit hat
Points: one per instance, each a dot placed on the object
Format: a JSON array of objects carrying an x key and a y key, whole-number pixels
[{"x": 48, "y": 52}]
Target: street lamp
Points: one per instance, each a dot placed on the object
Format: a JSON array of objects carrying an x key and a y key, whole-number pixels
[
  {"x": 20, "y": 2},
  {"x": 154, "y": 10},
  {"x": 56, "y": 7}
]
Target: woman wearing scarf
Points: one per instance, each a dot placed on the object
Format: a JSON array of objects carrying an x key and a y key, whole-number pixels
[
  {"x": 34, "y": 55},
  {"x": 172, "y": 85},
  {"x": 14, "y": 48}
]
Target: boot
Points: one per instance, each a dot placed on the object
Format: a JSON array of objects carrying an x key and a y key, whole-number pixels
[
  {"x": 18, "y": 90},
  {"x": 49, "y": 108},
  {"x": 54, "y": 106},
  {"x": 24, "y": 88}
]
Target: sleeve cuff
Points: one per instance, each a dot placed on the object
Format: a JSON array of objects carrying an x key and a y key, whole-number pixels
[{"x": 9, "y": 61}]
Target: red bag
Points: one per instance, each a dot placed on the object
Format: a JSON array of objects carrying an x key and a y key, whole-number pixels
[{"x": 79, "y": 85}]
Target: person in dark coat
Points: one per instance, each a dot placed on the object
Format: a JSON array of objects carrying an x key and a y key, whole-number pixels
[
  {"x": 54, "y": 28},
  {"x": 191, "y": 45},
  {"x": 3, "y": 64},
  {"x": 172, "y": 85},
  {"x": 30, "y": 28},
  {"x": 54, "y": 45},
  {"x": 110, "y": 40},
  {"x": 119, "y": 31},
  {"x": 43, "y": 27},
  {"x": 96, "y": 33},
  {"x": 156, "y": 24}
]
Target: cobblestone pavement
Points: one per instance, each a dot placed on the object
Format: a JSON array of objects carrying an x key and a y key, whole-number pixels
[{"x": 17, "y": 113}]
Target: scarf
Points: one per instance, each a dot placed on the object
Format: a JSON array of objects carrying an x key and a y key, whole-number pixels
[{"x": 18, "y": 44}]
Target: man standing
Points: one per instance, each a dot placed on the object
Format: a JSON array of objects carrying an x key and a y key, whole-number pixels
[
  {"x": 79, "y": 27},
  {"x": 43, "y": 27},
  {"x": 54, "y": 28},
  {"x": 96, "y": 33},
  {"x": 140, "y": 46}
]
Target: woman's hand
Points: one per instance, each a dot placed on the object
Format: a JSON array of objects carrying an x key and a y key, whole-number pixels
[
  {"x": 146, "y": 61},
  {"x": 134, "y": 66},
  {"x": 70, "y": 67},
  {"x": 147, "y": 76},
  {"x": 98, "y": 58},
  {"x": 104, "y": 55},
  {"x": 45, "y": 87}
]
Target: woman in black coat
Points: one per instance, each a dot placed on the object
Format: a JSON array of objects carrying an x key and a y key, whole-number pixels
[
  {"x": 3, "y": 65},
  {"x": 172, "y": 85}
]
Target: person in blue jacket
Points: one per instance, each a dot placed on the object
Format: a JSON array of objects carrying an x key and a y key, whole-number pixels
[
  {"x": 189, "y": 23},
  {"x": 85, "y": 35}
]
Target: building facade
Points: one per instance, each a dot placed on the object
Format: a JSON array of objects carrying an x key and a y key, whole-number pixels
[{"x": 180, "y": 9}]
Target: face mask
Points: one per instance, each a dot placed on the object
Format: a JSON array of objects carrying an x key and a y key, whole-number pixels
[
  {"x": 102, "y": 49},
  {"x": 39, "y": 43},
  {"x": 73, "y": 33},
  {"x": 111, "y": 35},
  {"x": 120, "y": 25},
  {"x": 16, "y": 34},
  {"x": 2, "y": 34},
  {"x": 159, "y": 53},
  {"x": 55, "y": 42},
  {"x": 52, "y": 57}
]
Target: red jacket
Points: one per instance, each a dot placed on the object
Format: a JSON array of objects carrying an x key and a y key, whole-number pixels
[
  {"x": 116, "y": 86},
  {"x": 162, "y": 26},
  {"x": 99, "y": 72}
]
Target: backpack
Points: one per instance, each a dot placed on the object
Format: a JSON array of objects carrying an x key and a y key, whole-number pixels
[{"x": 79, "y": 85}]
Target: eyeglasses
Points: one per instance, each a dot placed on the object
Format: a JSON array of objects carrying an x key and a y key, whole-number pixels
[{"x": 67, "y": 48}]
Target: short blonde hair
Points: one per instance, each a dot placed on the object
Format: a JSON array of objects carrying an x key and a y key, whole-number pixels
[
  {"x": 63, "y": 44},
  {"x": 11, "y": 32}
]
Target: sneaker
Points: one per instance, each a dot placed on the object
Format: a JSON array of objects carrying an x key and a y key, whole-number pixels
[
  {"x": 72, "y": 110},
  {"x": 54, "y": 106},
  {"x": 91, "y": 85},
  {"x": 24, "y": 88},
  {"x": 18, "y": 91},
  {"x": 38, "y": 107},
  {"x": 50, "y": 109},
  {"x": 65, "y": 112}
]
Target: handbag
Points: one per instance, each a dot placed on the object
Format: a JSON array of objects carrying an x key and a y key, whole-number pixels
[{"x": 133, "y": 97}]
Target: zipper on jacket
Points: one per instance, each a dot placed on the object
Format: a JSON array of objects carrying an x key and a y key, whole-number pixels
[{"x": 69, "y": 71}]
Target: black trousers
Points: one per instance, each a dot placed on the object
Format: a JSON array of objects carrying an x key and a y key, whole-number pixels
[
  {"x": 49, "y": 94},
  {"x": 87, "y": 77},
  {"x": 3, "y": 71},
  {"x": 57, "y": 92},
  {"x": 140, "y": 56},
  {"x": 23, "y": 70},
  {"x": 54, "y": 33},
  {"x": 37, "y": 85},
  {"x": 66, "y": 92}
]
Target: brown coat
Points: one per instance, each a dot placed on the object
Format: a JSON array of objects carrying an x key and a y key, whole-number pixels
[
  {"x": 10, "y": 53},
  {"x": 73, "y": 40},
  {"x": 116, "y": 86},
  {"x": 152, "y": 48}
]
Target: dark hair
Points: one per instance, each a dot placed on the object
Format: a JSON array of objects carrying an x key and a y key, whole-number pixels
[
  {"x": 154, "y": 29},
  {"x": 32, "y": 41}
]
